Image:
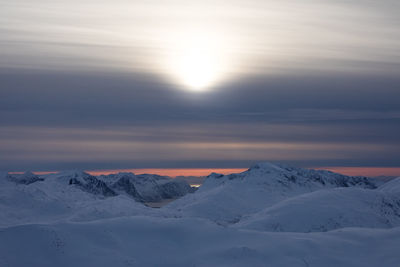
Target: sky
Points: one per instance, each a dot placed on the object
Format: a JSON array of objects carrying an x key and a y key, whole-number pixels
[{"x": 199, "y": 84}]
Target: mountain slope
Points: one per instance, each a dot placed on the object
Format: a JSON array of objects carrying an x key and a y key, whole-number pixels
[
  {"x": 326, "y": 210},
  {"x": 227, "y": 198},
  {"x": 147, "y": 241}
]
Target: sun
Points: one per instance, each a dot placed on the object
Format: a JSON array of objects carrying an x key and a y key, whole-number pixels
[
  {"x": 198, "y": 68},
  {"x": 197, "y": 60}
]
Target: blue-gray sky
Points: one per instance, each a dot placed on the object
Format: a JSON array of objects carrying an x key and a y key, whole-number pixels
[{"x": 126, "y": 84}]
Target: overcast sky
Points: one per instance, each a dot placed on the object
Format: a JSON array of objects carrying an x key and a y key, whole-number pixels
[{"x": 98, "y": 85}]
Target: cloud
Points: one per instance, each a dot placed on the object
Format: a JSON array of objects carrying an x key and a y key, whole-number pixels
[
  {"x": 189, "y": 145},
  {"x": 259, "y": 37},
  {"x": 87, "y": 84}
]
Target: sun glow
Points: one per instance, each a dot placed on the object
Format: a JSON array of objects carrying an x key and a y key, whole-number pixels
[
  {"x": 198, "y": 68},
  {"x": 198, "y": 60}
]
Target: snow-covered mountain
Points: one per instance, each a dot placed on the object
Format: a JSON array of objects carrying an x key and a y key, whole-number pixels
[
  {"x": 79, "y": 196},
  {"x": 89, "y": 183},
  {"x": 142, "y": 188},
  {"x": 25, "y": 178},
  {"x": 52, "y": 200},
  {"x": 147, "y": 187},
  {"x": 227, "y": 198},
  {"x": 269, "y": 215}
]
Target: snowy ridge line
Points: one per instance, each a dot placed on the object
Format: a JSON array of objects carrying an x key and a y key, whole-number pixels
[
  {"x": 269, "y": 215},
  {"x": 266, "y": 197},
  {"x": 228, "y": 199}
]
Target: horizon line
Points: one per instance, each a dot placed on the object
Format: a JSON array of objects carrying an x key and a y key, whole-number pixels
[{"x": 176, "y": 172}]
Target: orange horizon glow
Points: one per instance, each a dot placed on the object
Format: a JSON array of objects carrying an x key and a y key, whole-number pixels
[
  {"x": 171, "y": 172},
  {"x": 352, "y": 171}
]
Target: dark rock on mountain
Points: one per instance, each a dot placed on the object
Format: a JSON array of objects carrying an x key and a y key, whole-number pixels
[
  {"x": 91, "y": 184},
  {"x": 26, "y": 178}
]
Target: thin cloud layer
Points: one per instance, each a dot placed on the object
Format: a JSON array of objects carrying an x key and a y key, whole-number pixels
[
  {"x": 259, "y": 37},
  {"x": 96, "y": 84}
]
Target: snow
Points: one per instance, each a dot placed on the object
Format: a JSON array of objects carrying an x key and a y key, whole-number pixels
[
  {"x": 326, "y": 210},
  {"x": 391, "y": 187},
  {"x": 270, "y": 215},
  {"x": 55, "y": 198},
  {"x": 225, "y": 199},
  {"x": 147, "y": 241}
]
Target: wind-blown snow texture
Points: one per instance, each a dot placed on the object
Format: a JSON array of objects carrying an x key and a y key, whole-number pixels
[{"x": 270, "y": 215}]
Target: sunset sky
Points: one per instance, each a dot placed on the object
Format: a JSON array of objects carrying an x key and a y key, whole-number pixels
[{"x": 123, "y": 84}]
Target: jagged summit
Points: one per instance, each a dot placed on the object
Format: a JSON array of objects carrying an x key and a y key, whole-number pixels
[{"x": 147, "y": 187}]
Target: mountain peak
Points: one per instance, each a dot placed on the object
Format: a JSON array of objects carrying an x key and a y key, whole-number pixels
[{"x": 267, "y": 166}]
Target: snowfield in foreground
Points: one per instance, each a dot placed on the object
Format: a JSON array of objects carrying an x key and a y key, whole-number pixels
[{"x": 270, "y": 215}]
